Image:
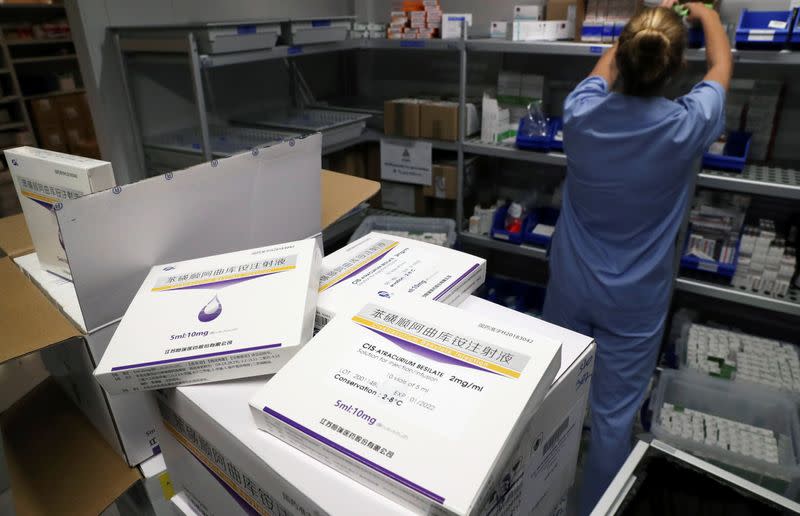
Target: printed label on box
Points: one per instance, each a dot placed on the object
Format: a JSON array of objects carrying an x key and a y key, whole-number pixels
[{"x": 406, "y": 161}]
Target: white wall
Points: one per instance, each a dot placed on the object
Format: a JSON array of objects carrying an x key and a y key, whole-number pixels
[{"x": 89, "y": 20}]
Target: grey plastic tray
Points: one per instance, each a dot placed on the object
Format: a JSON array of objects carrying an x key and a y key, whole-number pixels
[
  {"x": 410, "y": 224},
  {"x": 225, "y": 140}
]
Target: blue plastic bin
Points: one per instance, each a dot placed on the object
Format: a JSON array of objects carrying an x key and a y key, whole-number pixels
[
  {"x": 726, "y": 270},
  {"x": 696, "y": 37},
  {"x": 498, "y": 228},
  {"x": 795, "y": 37},
  {"x": 763, "y": 30},
  {"x": 734, "y": 157},
  {"x": 539, "y": 143},
  {"x": 540, "y": 216}
]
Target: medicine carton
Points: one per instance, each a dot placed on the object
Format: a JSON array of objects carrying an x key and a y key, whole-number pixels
[
  {"x": 44, "y": 179},
  {"x": 216, "y": 318},
  {"x": 387, "y": 265},
  {"x": 419, "y": 401}
]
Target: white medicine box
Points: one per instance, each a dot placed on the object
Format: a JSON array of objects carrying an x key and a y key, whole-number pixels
[
  {"x": 385, "y": 265},
  {"x": 398, "y": 380},
  {"x": 221, "y": 317},
  {"x": 44, "y": 180}
]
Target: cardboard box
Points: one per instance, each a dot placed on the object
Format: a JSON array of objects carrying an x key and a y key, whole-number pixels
[
  {"x": 439, "y": 120},
  {"x": 390, "y": 264},
  {"x": 127, "y": 422},
  {"x": 45, "y": 113},
  {"x": 9, "y": 202},
  {"x": 31, "y": 322},
  {"x": 183, "y": 505},
  {"x": 216, "y": 318},
  {"x": 44, "y": 181},
  {"x": 445, "y": 182},
  {"x": 401, "y": 117},
  {"x": 477, "y": 384},
  {"x": 573, "y": 11},
  {"x": 402, "y": 197},
  {"x": 53, "y": 454},
  {"x": 53, "y": 138}
]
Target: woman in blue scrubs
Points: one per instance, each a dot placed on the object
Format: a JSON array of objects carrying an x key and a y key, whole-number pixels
[{"x": 631, "y": 157}]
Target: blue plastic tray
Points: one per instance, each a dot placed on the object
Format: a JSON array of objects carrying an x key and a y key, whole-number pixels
[
  {"x": 734, "y": 157},
  {"x": 795, "y": 37},
  {"x": 726, "y": 270},
  {"x": 696, "y": 37},
  {"x": 754, "y": 31},
  {"x": 540, "y": 216},
  {"x": 498, "y": 228},
  {"x": 540, "y": 143}
]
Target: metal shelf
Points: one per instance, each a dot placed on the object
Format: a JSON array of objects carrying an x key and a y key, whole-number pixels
[
  {"x": 757, "y": 180},
  {"x": 789, "y": 305},
  {"x": 45, "y": 59},
  {"x": 12, "y": 125},
  {"x": 53, "y": 94},
  {"x": 9, "y": 98},
  {"x": 487, "y": 242},
  {"x": 279, "y": 52},
  {"x": 509, "y": 151},
  {"x": 373, "y": 135},
  {"x": 39, "y": 41},
  {"x": 413, "y": 44}
]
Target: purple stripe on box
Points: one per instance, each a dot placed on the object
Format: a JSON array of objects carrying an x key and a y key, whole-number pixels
[
  {"x": 194, "y": 357},
  {"x": 360, "y": 269},
  {"x": 456, "y": 282},
  {"x": 223, "y": 283},
  {"x": 237, "y": 498},
  {"x": 380, "y": 469}
]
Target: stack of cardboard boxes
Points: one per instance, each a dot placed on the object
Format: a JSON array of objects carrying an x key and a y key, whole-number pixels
[
  {"x": 64, "y": 124},
  {"x": 415, "y": 20}
]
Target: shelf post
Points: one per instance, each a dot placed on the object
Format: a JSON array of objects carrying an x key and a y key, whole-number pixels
[{"x": 200, "y": 101}]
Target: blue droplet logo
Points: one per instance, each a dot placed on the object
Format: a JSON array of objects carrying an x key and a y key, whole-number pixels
[
  {"x": 291, "y": 142},
  {"x": 57, "y": 206},
  {"x": 168, "y": 176},
  {"x": 255, "y": 151},
  {"x": 211, "y": 311},
  {"x": 383, "y": 293},
  {"x": 116, "y": 190},
  {"x": 214, "y": 162}
]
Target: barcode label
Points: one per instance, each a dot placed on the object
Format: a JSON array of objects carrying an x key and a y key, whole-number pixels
[
  {"x": 553, "y": 439},
  {"x": 356, "y": 438}
]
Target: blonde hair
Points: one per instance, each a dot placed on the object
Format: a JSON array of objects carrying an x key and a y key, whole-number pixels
[{"x": 650, "y": 51}]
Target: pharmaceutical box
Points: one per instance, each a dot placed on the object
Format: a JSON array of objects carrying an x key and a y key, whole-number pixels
[
  {"x": 498, "y": 30},
  {"x": 417, "y": 400},
  {"x": 385, "y": 265},
  {"x": 455, "y": 25},
  {"x": 527, "y": 12},
  {"x": 227, "y": 466},
  {"x": 216, "y": 318},
  {"x": 152, "y": 494},
  {"x": 221, "y": 453},
  {"x": 128, "y": 421},
  {"x": 527, "y": 30},
  {"x": 182, "y": 505},
  {"x": 44, "y": 180}
]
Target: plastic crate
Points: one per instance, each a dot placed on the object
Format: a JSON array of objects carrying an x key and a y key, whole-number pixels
[
  {"x": 763, "y": 30},
  {"x": 742, "y": 403},
  {"x": 410, "y": 224},
  {"x": 734, "y": 156},
  {"x": 499, "y": 232},
  {"x": 540, "y": 143},
  {"x": 540, "y": 216},
  {"x": 727, "y": 270}
]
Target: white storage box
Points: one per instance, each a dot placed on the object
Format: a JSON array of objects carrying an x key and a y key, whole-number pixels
[
  {"x": 44, "y": 180},
  {"x": 384, "y": 264},
  {"x": 217, "y": 38},
  {"x": 323, "y": 30},
  {"x": 216, "y": 318},
  {"x": 400, "y": 379},
  {"x": 776, "y": 414}
]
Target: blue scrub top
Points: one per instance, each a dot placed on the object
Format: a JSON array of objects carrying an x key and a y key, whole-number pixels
[{"x": 630, "y": 162}]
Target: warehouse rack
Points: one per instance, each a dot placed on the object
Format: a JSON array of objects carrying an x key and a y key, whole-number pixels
[{"x": 757, "y": 180}]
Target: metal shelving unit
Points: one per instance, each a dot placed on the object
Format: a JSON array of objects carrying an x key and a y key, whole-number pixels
[
  {"x": 44, "y": 59},
  {"x": 538, "y": 253},
  {"x": 54, "y": 94},
  {"x": 775, "y": 182},
  {"x": 40, "y": 41}
]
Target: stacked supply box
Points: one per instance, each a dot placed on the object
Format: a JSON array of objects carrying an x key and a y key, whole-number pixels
[
  {"x": 766, "y": 263},
  {"x": 219, "y": 459},
  {"x": 387, "y": 265},
  {"x": 44, "y": 180},
  {"x": 217, "y": 318},
  {"x": 415, "y": 20},
  {"x": 398, "y": 379}
]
